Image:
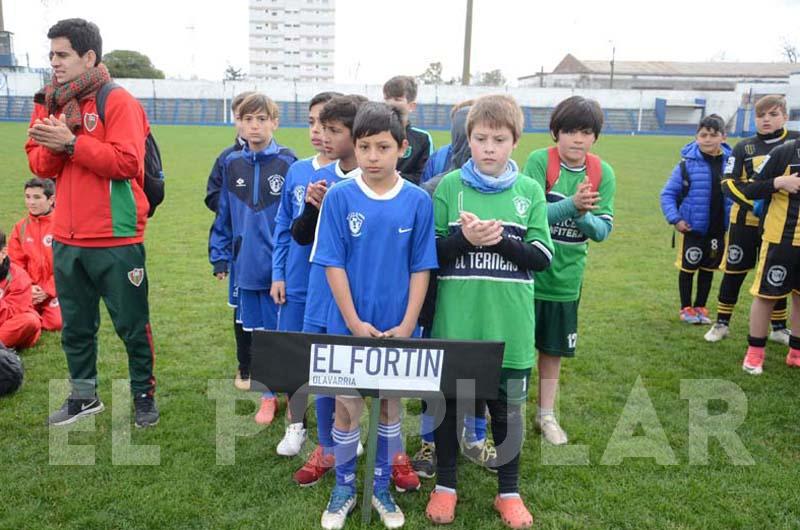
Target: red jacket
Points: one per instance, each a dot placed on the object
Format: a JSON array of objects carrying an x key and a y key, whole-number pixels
[
  {"x": 31, "y": 247},
  {"x": 15, "y": 294},
  {"x": 101, "y": 202}
]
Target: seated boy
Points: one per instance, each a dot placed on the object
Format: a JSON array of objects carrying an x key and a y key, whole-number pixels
[
  {"x": 699, "y": 212},
  {"x": 241, "y": 236},
  {"x": 401, "y": 92},
  {"x": 744, "y": 233},
  {"x": 31, "y": 247},
  {"x": 377, "y": 245},
  {"x": 20, "y": 324},
  {"x": 778, "y": 271}
]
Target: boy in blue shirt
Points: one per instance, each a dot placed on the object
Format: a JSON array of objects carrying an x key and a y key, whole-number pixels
[
  {"x": 290, "y": 262},
  {"x": 241, "y": 238},
  {"x": 336, "y": 117},
  {"x": 377, "y": 244}
]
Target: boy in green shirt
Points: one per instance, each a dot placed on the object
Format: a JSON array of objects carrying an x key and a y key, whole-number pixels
[
  {"x": 491, "y": 229},
  {"x": 580, "y": 206}
]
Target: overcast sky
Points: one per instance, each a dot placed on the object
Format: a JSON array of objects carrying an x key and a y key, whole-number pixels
[{"x": 376, "y": 39}]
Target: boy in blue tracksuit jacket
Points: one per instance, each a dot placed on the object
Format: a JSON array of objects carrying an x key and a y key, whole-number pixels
[
  {"x": 693, "y": 202},
  {"x": 241, "y": 236}
]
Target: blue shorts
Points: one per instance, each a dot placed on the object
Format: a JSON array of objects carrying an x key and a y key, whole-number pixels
[
  {"x": 256, "y": 310},
  {"x": 233, "y": 291},
  {"x": 290, "y": 316}
]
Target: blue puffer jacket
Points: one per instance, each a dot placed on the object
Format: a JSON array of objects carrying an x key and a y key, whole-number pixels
[{"x": 695, "y": 208}]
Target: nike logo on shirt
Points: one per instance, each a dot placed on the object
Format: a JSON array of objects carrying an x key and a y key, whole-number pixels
[{"x": 404, "y": 230}]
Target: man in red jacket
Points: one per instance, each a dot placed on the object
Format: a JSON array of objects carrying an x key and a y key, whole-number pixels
[
  {"x": 31, "y": 247},
  {"x": 20, "y": 325},
  {"x": 99, "y": 223}
]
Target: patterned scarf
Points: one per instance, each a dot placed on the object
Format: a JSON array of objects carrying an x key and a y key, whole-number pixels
[{"x": 66, "y": 96}]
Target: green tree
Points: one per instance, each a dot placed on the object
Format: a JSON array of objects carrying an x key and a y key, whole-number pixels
[
  {"x": 432, "y": 75},
  {"x": 493, "y": 78},
  {"x": 233, "y": 74},
  {"x": 128, "y": 63}
]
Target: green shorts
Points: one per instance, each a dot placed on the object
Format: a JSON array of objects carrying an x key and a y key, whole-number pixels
[
  {"x": 514, "y": 385},
  {"x": 556, "y": 327}
]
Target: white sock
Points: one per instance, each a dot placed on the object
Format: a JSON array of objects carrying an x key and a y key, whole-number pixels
[
  {"x": 540, "y": 412},
  {"x": 445, "y": 489},
  {"x": 508, "y": 495}
]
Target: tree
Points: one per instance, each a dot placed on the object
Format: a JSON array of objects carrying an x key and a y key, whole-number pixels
[
  {"x": 493, "y": 78},
  {"x": 233, "y": 74},
  {"x": 432, "y": 75},
  {"x": 128, "y": 63},
  {"x": 789, "y": 51}
]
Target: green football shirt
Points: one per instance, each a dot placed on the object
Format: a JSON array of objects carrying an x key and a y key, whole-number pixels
[
  {"x": 483, "y": 296},
  {"x": 562, "y": 281}
]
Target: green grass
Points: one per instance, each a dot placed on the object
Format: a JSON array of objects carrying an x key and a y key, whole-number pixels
[{"x": 628, "y": 332}]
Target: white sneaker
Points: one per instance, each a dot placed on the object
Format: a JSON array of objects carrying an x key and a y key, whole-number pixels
[
  {"x": 551, "y": 430},
  {"x": 339, "y": 507},
  {"x": 391, "y": 515},
  {"x": 781, "y": 336},
  {"x": 293, "y": 440},
  {"x": 360, "y": 450},
  {"x": 717, "y": 332}
]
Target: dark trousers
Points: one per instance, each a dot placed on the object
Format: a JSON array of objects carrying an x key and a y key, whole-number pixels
[
  {"x": 118, "y": 276},
  {"x": 507, "y": 431}
]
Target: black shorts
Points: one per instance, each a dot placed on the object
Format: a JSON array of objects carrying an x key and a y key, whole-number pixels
[
  {"x": 700, "y": 252},
  {"x": 741, "y": 250},
  {"x": 778, "y": 271}
]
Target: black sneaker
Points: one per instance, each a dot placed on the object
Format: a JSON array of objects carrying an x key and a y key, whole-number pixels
[
  {"x": 483, "y": 453},
  {"x": 424, "y": 462},
  {"x": 74, "y": 409},
  {"x": 146, "y": 412}
]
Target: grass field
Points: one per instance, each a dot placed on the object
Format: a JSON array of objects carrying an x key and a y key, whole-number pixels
[{"x": 633, "y": 359}]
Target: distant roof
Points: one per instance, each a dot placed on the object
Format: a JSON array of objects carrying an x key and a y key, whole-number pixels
[{"x": 572, "y": 65}]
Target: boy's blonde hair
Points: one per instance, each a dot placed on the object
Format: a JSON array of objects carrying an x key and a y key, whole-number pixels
[
  {"x": 496, "y": 111},
  {"x": 765, "y": 104},
  {"x": 460, "y": 105},
  {"x": 257, "y": 102},
  {"x": 238, "y": 98}
]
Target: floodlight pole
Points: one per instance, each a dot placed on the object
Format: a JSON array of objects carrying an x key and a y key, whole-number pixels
[
  {"x": 613, "y": 53},
  {"x": 467, "y": 45}
]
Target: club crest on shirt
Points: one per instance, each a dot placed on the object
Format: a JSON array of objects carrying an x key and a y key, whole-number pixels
[
  {"x": 90, "y": 121},
  {"x": 275, "y": 184},
  {"x": 735, "y": 254},
  {"x": 750, "y": 149},
  {"x": 299, "y": 193},
  {"x": 354, "y": 221},
  {"x": 693, "y": 255},
  {"x": 521, "y": 204},
  {"x": 136, "y": 276},
  {"x": 48, "y": 240},
  {"x": 240, "y": 182},
  {"x": 729, "y": 164}
]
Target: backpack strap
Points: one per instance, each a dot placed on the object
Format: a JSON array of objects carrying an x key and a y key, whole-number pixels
[
  {"x": 102, "y": 96},
  {"x": 594, "y": 169},
  {"x": 685, "y": 183}
]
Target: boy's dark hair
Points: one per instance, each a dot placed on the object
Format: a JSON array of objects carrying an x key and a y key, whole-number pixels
[
  {"x": 2, "y": 239},
  {"x": 81, "y": 34},
  {"x": 712, "y": 122},
  {"x": 46, "y": 184},
  {"x": 342, "y": 109},
  {"x": 401, "y": 86},
  {"x": 374, "y": 118},
  {"x": 257, "y": 102},
  {"x": 576, "y": 113},
  {"x": 323, "y": 97},
  {"x": 767, "y": 103},
  {"x": 238, "y": 98}
]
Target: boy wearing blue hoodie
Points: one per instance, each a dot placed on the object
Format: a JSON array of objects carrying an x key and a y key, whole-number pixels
[
  {"x": 692, "y": 201},
  {"x": 242, "y": 235}
]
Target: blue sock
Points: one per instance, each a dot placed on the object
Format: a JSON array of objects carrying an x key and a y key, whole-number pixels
[
  {"x": 474, "y": 428},
  {"x": 326, "y": 406},
  {"x": 389, "y": 444},
  {"x": 267, "y": 395},
  {"x": 345, "y": 451},
  {"x": 426, "y": 428}
]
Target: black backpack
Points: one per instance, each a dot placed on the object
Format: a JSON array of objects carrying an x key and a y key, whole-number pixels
[
  {"x": 153, "y": 168},
  {"x": 11, "y": 371}
]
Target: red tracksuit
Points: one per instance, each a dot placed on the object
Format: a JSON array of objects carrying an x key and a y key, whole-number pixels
[
  {"x": 20, "y": 324},
  {"x": 31, "y": 247}
]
